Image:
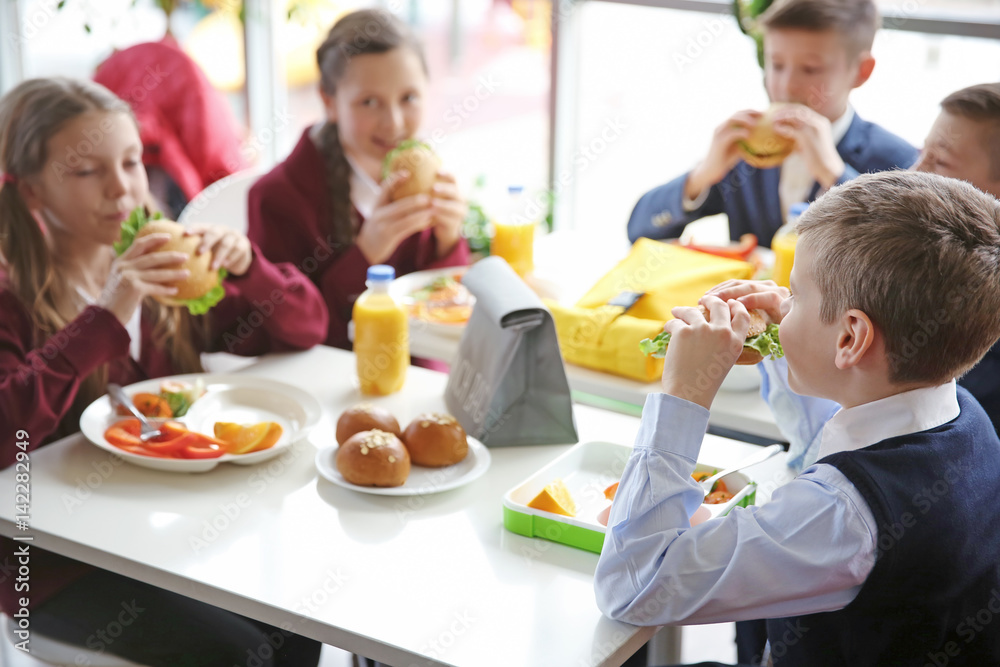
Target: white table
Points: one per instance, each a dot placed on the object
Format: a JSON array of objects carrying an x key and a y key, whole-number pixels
[{"x": 432, "y": 580}]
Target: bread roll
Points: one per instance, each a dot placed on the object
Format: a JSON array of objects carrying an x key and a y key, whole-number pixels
[
  {"x": 365, "y": 417},
  {"x": 374, "y": 458},
  {"x": 435, "y": 440}
]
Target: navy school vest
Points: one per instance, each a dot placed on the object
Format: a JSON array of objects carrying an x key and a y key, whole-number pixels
[{"x": 933, "y": 596}]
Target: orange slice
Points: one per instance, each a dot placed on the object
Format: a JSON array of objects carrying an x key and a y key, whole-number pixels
[
  {"x": 243, "y": 439},
  {"x": 610, "y": 492},
  {"x": 555, "y": 498}
]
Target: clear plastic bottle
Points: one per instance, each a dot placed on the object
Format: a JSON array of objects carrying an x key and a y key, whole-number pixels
[
  {"x": 514, "y": 232},
  {"x": 783, "y": 244},
  {"x": 381, "y": 335}
]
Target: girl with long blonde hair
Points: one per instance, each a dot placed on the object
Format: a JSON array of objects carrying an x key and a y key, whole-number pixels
[{"x": 74, "y": 316}]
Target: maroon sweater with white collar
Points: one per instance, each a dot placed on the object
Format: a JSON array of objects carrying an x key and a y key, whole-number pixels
[{"x": 288, "y": 212}]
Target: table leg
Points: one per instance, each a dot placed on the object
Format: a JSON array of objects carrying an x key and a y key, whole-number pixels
[{"x": 665, "y": 647}]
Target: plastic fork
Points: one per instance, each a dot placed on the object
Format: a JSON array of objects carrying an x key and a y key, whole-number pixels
[
  {"x": 755, "y": 458},
  {"x": 117, "y": 394}
]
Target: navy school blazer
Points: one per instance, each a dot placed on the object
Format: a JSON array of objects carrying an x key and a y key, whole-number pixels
[{"x": 749, "y": 196}]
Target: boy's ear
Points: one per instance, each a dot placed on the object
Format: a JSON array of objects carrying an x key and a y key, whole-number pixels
[
  {"x": 857, "y": 335},
  {"x": 329, "y": 104},
  {"x": 866, "y": 64}
]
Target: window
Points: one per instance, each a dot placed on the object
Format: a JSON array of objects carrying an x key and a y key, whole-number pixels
[{"x": 664, "y": 79}]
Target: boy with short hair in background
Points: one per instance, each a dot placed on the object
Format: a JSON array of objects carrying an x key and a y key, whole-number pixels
[
  {"x": 815, "y": 53},
  {"x": 965, "y": 143}
]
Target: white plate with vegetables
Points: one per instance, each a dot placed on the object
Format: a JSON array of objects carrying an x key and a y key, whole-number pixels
[{"x": 219, "y": 411}]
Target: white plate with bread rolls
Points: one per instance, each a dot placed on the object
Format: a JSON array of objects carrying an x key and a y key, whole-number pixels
[{"x": 421, "y": 481}]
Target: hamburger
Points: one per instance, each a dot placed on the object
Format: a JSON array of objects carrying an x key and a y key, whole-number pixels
[
  {"x": 202, "y": 289},
  {"x": 765, "y": 148},
  {"x": 762, "y": 340},
  {"x": 417, "y": 158}
]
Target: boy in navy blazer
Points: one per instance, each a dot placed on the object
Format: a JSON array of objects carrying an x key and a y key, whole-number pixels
[
  {"x": 883, "y": 552},
  {"x": 815, "y": 53}
]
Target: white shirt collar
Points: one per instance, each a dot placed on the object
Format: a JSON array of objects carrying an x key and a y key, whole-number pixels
[
  {"x": 909, "y": 412},
  {"x": 838, "y": 128},
  {"x": 133, "y": 326},
  {"x": 364, "y": 190}
]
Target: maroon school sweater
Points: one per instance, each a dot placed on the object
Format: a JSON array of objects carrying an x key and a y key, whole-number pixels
[
  {"x": 39, "y": 384},
  {"x": 288, "y": 213}
]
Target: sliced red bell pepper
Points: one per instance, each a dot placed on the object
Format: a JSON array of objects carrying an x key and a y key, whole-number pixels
[
  {"x": 142, "y": 451},
  {"x": 202, "y": 449},
  {"x": 124, "y": 433}
]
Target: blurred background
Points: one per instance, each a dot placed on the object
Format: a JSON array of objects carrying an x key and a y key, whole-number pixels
[{"x": 586, "y": 103}]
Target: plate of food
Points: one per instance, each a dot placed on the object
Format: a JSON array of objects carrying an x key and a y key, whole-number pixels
[
  {"x": 435, "y": 299},
  {"x": 569, "y": 500},
  {"x": 204, "y": 420},
  {"x": 374, "y": 455}
]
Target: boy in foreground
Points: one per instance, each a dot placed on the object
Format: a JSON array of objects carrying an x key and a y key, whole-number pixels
[
  {"x": 964, "y": 143},
  {"x": 884, "y": 551}
]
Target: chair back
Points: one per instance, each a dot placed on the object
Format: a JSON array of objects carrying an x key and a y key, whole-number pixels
[{"x": 223, "y": 202}]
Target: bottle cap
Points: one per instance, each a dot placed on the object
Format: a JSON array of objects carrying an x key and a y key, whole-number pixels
[
  {"x": 798, "y": 208},
  {"x": 515, "y": 189},
  {"x": 381, "y": 273}
]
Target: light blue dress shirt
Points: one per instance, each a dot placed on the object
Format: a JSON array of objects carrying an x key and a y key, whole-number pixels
[
  {"x": 808, "y": 550},
  {"x": 799, "y": 418}
]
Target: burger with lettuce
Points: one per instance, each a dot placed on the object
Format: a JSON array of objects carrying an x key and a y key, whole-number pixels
[
  {"x": 202, "y": 289},
  {"x": 762, "y": 341}
]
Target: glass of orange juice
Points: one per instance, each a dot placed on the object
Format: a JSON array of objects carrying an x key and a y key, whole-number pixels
[
  {"x": 514, "y": 234},
  {"x": 783, "y": 245}
]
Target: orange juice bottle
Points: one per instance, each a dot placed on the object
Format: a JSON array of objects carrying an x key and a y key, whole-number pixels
[
  {"x": 381, "y": 335},
  {"x": 783, "y": 245},
  {"x": 514, "y": 233}
]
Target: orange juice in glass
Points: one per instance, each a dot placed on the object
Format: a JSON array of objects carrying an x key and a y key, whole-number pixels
[
  {"x": 381, "y": 335},
  {"x": 514, "y": 234},
  {"x": 783, "y": 245}
]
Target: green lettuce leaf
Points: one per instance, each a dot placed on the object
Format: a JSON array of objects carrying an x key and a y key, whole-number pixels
[
  {"x": 178, "y": 402},
  {"x": 202, "y": 305},
  {"x": 403, "y": 145},
  {"x": 656, "y": 346},
  {"x": 136, "y": 220},
  {"x": 766, "y": 343}
]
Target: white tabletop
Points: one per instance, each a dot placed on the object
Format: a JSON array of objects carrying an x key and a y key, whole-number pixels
[{"x": 409, "y": 581}]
